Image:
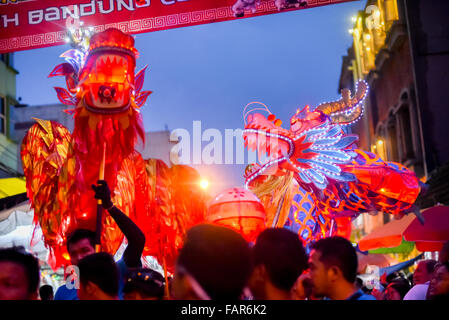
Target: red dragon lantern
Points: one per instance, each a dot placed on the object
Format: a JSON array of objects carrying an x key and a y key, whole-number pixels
[
  {"x": 60, "y": 167},
  {"x": 313, "y": 179},
  {"x": 178, "y": 204}
]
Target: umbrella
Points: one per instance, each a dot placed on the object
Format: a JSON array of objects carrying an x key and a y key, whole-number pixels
[
  {"x": 387, "y": 236},
  {"x": 434, "y": 232},
  {"x": 391, "y": 269},
  {"x": 427, "y": 237},
  {"x": 380, "y": 260},
  {"x": 405, "y": 248}
]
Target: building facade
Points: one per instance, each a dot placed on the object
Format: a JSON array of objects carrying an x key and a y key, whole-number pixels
[
  {"x": 400, "y": 47},
  {"x": 8, "y": 148},
  {"x": 157, "y": 146},
  {"x": 22, "y": 119}
]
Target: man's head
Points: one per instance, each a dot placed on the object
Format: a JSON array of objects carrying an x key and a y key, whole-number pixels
[
  {"x": 19, "y": 275},
  {"x": 332, "y": 261},
  {"x": 423, "y": 271},
  {"x": 99, "y": 277},
  {"x": 279, "y": 259},
  {"x": 80, "y": 244},
  {"x": 46, "y": 292},
  {"x": 144, "y": 284},
  {"x": 443, "y": 255},
  {"x": 214, "y": 263},
  {"x": 439, "y": 284}
]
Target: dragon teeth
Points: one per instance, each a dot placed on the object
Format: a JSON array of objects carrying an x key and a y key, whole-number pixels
[{"x": 111, "y": 59}]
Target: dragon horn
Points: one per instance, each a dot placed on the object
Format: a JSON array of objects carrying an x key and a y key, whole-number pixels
[{"x": 347, "y": 109}]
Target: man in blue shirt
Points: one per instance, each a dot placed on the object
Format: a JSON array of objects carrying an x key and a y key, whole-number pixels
[
  {"x": 81, "y": 243},
  {"x": 99, "y": 277},
  {"x": 333, "y": 270},
  {"x": 279, "y": 258}
]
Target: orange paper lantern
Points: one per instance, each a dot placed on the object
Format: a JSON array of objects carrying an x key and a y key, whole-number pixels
[{"x": 240, "y": 210}]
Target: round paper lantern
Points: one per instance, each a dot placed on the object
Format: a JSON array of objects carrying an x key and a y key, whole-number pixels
[{"x": 240, "y": 210}]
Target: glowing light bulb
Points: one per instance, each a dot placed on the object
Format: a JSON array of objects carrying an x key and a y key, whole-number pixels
[{"x": 204, "y": 184}]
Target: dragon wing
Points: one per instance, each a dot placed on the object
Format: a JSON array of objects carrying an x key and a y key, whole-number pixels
[
  {"x": 131, "y": 196},
  {"x": 44, "y": 154},
  {"x": 330, "y": 145},
  {"x": 162, "y": 228},
  {"x": 177, "y": 204},
  {"x": 189, "y": 200},
  {"x": 329, "y": 148}
]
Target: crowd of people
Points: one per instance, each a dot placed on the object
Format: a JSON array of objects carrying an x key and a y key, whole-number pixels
[{"x": 217, "y": 263}]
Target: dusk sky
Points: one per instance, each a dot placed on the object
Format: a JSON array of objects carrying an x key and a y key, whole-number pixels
[{"x": 210, "y": 72}]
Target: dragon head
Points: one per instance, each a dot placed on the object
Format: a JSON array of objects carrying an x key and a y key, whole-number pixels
[
  {"x": 107, "y": 78},
  {"x": 100, "y": 75},
  {"x": 106, "y": 97},
  {"x": 104, "y": 91},
  {"x": 313, "y": 147}
]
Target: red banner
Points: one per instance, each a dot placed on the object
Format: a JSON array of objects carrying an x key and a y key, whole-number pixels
[{"x": 29, "y": 24}]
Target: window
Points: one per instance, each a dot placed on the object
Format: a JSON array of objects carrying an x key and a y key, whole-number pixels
[
  {"x": 390, "y": 11},
  {"x": 393, "y": 154},
  {"x": 7, "y": 58},
  {"x": 378, "y": 145},
  {"x": 386, "y": 217},
  {"x": 374, "y": 110},
  {"x": 380, "y": 148},
  {"x": 2, "y": 115},
  {"x": 406, "y": 133}
]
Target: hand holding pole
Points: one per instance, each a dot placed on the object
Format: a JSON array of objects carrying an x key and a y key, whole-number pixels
[{"x": 100, "y": 204}]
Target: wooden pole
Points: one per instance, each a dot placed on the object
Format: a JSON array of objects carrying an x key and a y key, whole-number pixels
[
  {"x": 99, "y": 204},
  {"x": 167, "y": 292},
  {"x": 332, "y": 227}
]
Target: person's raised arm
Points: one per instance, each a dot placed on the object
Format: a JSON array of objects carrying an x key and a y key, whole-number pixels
[{"x": 135, "y": 237}]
